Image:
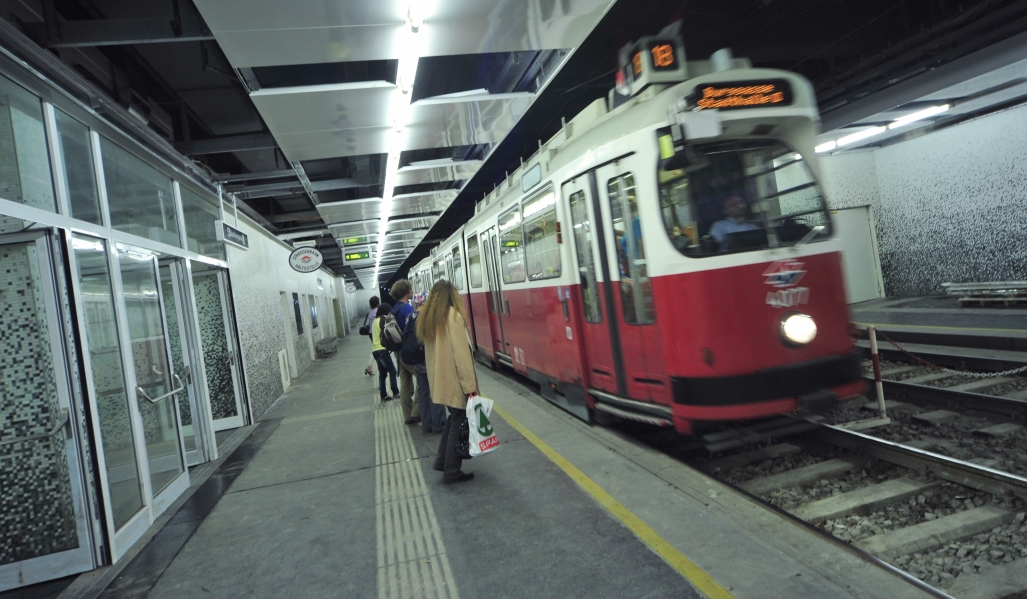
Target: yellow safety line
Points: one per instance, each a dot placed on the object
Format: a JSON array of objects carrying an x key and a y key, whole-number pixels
[{"x": 677, "y": 560}]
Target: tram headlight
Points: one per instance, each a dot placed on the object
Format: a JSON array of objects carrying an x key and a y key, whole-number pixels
[{"x": 798, "y": 329}]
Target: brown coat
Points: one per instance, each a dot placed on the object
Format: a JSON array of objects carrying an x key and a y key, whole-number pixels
[{"x": 451, "y": 375}]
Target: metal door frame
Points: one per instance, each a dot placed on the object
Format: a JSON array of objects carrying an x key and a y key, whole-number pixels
[
  {"x": 234, "y": 355},
  {"x": 156, "y": 504},
  {"x": 85, "y": 556},
  {"x": 196, "y": 380}
]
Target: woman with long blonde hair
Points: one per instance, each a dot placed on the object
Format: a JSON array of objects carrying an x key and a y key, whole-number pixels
[{"x": 442, "y": 327}]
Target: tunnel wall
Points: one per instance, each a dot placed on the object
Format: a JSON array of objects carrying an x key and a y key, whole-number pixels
[{"x": 950, "y": 206}]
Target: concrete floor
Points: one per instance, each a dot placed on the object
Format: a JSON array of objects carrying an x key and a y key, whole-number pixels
[{"x": 339, "y": 500}]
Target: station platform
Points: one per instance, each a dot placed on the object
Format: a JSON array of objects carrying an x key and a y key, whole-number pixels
[
  {"x": 331, "y": 495},
  {"x": 941, "y": 315}
]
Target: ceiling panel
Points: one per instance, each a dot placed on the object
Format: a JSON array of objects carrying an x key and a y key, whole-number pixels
[
  {"x": 463, "y": 123},
  {"x": 274, "y": 47},
  {"x": 340, "y": 212},
  {"x": 419, "y": 204},
  {"x": 275, "y": 14},
  {"x": 326, "y": 110},
  {"x": 333, "y": 144},
  {"x": 436, "y": 175}
]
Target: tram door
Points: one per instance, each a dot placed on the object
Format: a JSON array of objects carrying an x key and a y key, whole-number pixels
[
  {"x": 46, "y": 530},
  {"x": 596, "y": 330},
  {"x": 497, "y": 306},
  {"x": 631, "y": 306}
]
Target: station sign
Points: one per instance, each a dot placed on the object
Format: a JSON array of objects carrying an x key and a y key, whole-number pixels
[
  {"x": 230, "y": 235},
  {"x": 743, "y": 94},
  {"x": 305, "y": 260}
]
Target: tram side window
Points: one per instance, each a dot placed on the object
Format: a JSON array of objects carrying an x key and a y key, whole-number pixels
[
  {"x": 739, "y": 195},
  {"x": 543, "y": 253},
  {"x": 449, "y": 270},
  {"x": 636, "y": 289},
  {"x": 511, "y": 252},
  {"x": 586, "y": 262},
  {"x": 474, "y": 261},
  {"x": 458, "y": 269},
  {"x": 436, "y": 272}
]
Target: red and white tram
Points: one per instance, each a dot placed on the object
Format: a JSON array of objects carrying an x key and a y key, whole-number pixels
[{"x": 670, "y": 260}]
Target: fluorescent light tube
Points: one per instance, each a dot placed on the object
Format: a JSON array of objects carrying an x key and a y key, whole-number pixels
[
  {"x": 918, "y": 116},
  {"x": 851, "y": 139}
]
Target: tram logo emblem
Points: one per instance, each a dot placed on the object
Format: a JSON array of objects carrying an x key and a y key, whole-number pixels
[{"x": 784, "y": 273}]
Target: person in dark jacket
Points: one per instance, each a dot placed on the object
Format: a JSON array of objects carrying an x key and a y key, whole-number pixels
[
  {"x": 433, "y": 416},
  {"x": 402, "y": 290}
]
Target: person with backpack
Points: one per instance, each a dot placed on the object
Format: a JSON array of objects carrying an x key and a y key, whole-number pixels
[
  {"x": 442, "y": 327},
  {"x": 402, "y": 290},
  {"x": 433, "y": 416},
  {"x": 381, "y": 352}
]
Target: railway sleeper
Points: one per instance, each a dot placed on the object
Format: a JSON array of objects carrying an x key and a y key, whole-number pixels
[
  {"x": 799, "y": 477},
  {"x": 864, "y": 500},
  {"x": 935, "y": 533}
]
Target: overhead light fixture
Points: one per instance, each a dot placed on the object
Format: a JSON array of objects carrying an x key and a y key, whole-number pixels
[
  {"x": 826, "y": 147},
  {"x": 409, "y": 53},
  {"x": 919, "y": 116},
  {"x": 864, "y": 134}
]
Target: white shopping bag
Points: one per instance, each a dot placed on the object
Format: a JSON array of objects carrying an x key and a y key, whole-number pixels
[{"x": 482, "y": 438}]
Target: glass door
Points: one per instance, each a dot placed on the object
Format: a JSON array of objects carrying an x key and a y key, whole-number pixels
[
  {"x": 155, "y": 384},
  {"x": 46, "y": 530},
  {"x": 221, "y": 360},
  {"x": 488, "y": 242},
  {"x": 186, "y": 361}
]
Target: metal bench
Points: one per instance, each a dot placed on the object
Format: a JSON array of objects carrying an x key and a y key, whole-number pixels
[{"x": 326, "y": 347}]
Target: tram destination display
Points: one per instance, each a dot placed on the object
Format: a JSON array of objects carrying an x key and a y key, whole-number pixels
[{"x": 732, "y": 95}]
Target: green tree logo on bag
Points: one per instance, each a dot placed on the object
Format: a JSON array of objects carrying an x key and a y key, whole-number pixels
[{"x": 484, "y": 425}]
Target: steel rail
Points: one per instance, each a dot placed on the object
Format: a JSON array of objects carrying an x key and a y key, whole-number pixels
[
  {"x": 962, "y": 400},
  {"x": 968, "y": 474},
  {"x": 56, "y": 429}
]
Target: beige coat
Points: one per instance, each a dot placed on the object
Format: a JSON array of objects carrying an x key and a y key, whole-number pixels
[{"x": 451, "y": 375}]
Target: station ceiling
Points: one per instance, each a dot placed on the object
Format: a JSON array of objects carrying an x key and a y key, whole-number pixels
[{"x": 335, "y": 120}]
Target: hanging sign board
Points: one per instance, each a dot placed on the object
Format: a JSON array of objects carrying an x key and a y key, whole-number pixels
[
  {"x": 354, "y": 240},
  {"x": 305, "y": 244},
  {"x": 305, "y": 259},
  {"x": 351, "y": 288},
  {"x": 230, "y": 235}
]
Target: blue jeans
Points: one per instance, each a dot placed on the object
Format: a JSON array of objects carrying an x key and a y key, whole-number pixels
[
  {"x": 433, "y": 416},
  {"x": 385, "y": 365}
]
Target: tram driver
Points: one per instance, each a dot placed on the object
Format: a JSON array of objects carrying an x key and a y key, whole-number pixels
[{"x": 735, "y": 212}]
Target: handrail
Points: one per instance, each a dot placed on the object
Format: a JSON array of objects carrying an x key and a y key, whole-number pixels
[
  {"x": 181, "y": 387},
  {"x": 60, "y": 426}
]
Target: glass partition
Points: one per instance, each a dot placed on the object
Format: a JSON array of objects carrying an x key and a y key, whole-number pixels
[
  {"x": 24, "y": 158},
  {"x": 108, "y": 378},
  {"x": 79, "y": 173},
  {"x": 200, "y": 228},
  {"x": 141, "y": 198}
]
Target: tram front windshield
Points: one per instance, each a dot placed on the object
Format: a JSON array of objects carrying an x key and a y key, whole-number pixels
[{"x": 740, "y": 195}]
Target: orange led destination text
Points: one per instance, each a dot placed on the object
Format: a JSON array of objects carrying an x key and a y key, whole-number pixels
[
  {"x": 754, "y": 95},
  {"x": 663, "y": 55}
]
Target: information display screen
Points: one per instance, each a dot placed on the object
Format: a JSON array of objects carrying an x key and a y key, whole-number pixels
[
  {"x": 743, "y": 94},
  {"x": 354, "y": 240},
  {"x": 358, "y": 256}
]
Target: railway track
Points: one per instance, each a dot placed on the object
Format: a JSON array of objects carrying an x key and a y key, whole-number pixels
[{"x": 946, "y": 523}]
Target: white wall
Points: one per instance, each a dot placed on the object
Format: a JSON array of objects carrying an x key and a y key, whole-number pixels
[
  {"x": 259, "y": 275},
  {"x": 950, "y": 206}
]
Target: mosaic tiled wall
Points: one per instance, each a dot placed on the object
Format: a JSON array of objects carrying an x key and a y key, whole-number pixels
[
  {"x": 950, "y": 206},
  {"x": 216, "y": 361},
  {"x": 36, "y": 511},
  {"x": 259, "y": 276},
  {"x": 259, "y": 319}
]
